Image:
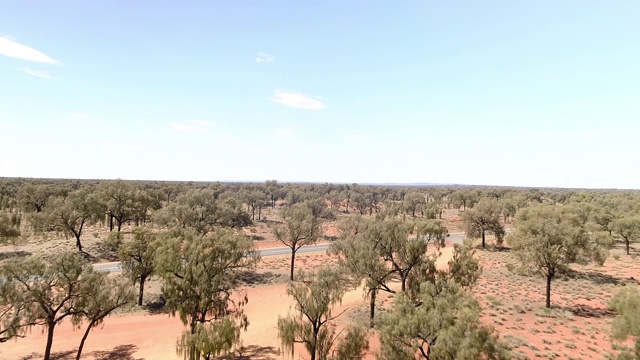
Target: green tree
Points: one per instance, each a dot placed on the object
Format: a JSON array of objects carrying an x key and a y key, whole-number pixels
[
  {"x": 9, "y": 225},
  {"x": 445, "y": 325},
  {"x": 118, "y": 197},
  {"x": 311, "y": 325},
  {"x": 101, "y": 296},
  {"x": 628, "y": 228},
  {"x": 438, "y": 317},
  {"x": 138, "y": 258},
  {"x": 200, "y": 280},
  {"x": 72, "y": 214},
  {"x": 483, "y": 217},
  {"x": 626, "y": 303},
  {"x": 300, "y": 228},
  {"x": 203, "y": 210},
  {"x": 49, "y": 291},
  {"x": 549, "y": 238}
]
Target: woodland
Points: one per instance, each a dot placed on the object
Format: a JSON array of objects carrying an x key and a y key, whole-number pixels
[{"x": 364, "y": 272}]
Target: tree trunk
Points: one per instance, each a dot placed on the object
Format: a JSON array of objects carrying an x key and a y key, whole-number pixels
[
  {"x": 403, "y": 278},
  {"x": 78, "y": 244},
  {"x": 293, "y": 260},
  {"x": 47, "y": 350},
  {"x": 110, "y": 223},
  {"x": 347, "y": 206},
  {"x": 483, "y": 240},
  {"x": 372, "y": 307},
  {"x": 548, "y": 300},
  {"x": 259, "y": 212},
  {"x": 141, "y": 293},
  {"x": 119, "y": 226},
  {"x": 627, "y": 243},
  {"x": 84, "y": 337}
]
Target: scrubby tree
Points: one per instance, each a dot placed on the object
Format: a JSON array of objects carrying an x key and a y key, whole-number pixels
[
  {"x": 138, "y": 258},
  {"x": 203, "y": 210},
  {"x": 50, "y": 291},
  {"x": 200, "y": 282},
  {"x": 413, "y": 203},
  {"x": 439, "y": 318},
  {"x": 311, "y": 323},
  {"x": 626, "y": 303},
  {"x": 72, "y": 214},
  {"x": 361, "y": 258},
  {"x": 9, "y": 226},
  {"x": 299, "y": 228},
  {"x": 628, "y": 228},
  {"x": 548, "y": 238},
  {"x": 483, "y": 217},
  {"x": 101, "y": 296},
  {"x": 118, "y": 197}
]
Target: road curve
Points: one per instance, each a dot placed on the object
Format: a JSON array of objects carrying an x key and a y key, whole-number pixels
[{"x": 115, "y": 267}]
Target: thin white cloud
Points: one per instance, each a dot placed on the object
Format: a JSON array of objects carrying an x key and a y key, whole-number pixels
[
  {"x": 36, "y": 73},
  {"x": 357, "y": 137},
  {"x": 284, "y": 133},
  {"x": 14, "y": 49},
  {"x": 195, "y": 126},
  {"x": 297, "y": 100},
  {"x": 265, "y": 57},
  {"x": 79, "y": 116}
]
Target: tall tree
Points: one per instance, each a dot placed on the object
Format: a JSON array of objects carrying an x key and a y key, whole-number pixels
[
  {"x": 118, "y": 198},
  {"x": 300, "y": 228},
  {"x": 138, "y": 258},
  {"x": 200, "y": 282},
  {"x": 628, "y": 228},
  {"x": 483, "y": 217},
  {"x": 50, "y": 291},
  {"x": 444, "y": 324},
  {"x": 101, "y": 296},
  {"x": 548, "y": 238},
  {"x": 438, "y": 318},
  {"x": 71, "y": 215},
  {"x": 311, "y": 323}
]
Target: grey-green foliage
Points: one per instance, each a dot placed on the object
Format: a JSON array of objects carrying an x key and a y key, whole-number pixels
[
  {"x": 203, "y": 210},
  {"x": 71, "y": 214},
  {"x": 200, "y": 283},
  {"x": 9, "y": 225},
  {"x": 300, "y": 228},
  {"x": 101, "y": 296},
  {"x": 138, "y": 257},
  {"x": 311, "y": 322},
  {"x": 438, "y": 317},
  {"x": 43, "y": 293},
  {"x": 549, "y": 238},
  {"x": 627, "y": 303},
  {"x": 628, "y": 228},
  {"x": 483, "y": 217}
]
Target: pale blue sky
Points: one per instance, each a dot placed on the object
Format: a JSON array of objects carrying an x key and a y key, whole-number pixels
[{"x": 527, "y": 93}]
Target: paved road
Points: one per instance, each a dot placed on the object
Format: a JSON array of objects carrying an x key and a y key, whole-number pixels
[{"x": 115, "y": 266}]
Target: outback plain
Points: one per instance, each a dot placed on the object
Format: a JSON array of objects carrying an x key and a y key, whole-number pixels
[{"x": 389, "y": 272}]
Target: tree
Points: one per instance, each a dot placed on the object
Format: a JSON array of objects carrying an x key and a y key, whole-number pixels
[
  {"x": 360, "y": 257},
  {"x": 200, "y": 282},
  {"x": 627, "y": 303},
  {"x": 138, "y": 258},
  {"x": 445, "y": 324},
  {"x": 628, "y": 227},
  {"x": 549, "y": 238},
  {"x": 403, "y": 253},
  {"x": 9, "y": 225},
  {"x": 414, "y": 202},
  {"x": 70, "y": 215},
  {"x": 203, "y": 210},
  {"x": 118, "y": 198},
  {"x": 438, "y": 318},
  {"x": 102, "y": 295},
  {"x": 50, "y": 291},
  {"x": 14, "y": 316},
  {"x": 314, "y": 298},
  {"x": 300, "y": 228},
  {"x": 483, "y": 217}
]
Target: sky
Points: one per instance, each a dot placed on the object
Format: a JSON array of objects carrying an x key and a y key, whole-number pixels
[{"x": 514, "y": 93}]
